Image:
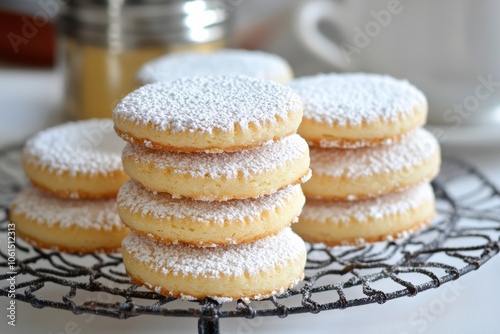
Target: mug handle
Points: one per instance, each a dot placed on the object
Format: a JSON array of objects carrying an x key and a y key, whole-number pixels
[{"x": 307, "y": 18}]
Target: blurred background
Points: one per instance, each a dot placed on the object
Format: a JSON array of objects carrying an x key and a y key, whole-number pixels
[
  {"x": 71, "y": 59},
  {"x": 77, "y": 58}
]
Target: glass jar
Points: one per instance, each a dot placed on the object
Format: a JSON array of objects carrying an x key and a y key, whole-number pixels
[{"x": 104, "y": 42}]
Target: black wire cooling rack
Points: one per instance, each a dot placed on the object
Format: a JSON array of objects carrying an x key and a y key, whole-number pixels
[{"x": 463, "y": 237}]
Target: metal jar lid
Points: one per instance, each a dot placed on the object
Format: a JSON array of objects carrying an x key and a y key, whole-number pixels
[{"x": 135, "y": 23}]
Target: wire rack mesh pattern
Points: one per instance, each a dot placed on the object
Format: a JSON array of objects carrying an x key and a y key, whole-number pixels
[{"x": 464, "y": 235}]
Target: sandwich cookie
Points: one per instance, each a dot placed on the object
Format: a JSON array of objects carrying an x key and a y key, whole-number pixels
[
  {"x": 340, "y": 174},
  {"x": 255, "y": 270},
  {"x": 200, "y": 223},
  {"x": 381, "y": 218},
  {"x": 358, "y": 110},
  {"x": 213, "y": 114},
  {"x": 68, "y": 225},
  {"x": 76, "y": 160},
  {"x": 255, "y": 64},
  {"x": 229, "y": 175}
]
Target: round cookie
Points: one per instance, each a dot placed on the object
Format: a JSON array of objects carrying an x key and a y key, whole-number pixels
[
  {"x": 222, "y": 176},
  {"x": 76, "y": 160},
  {"x": 255, "y": 64},
  {"x": 340, "y": 174},
  {"x": 358, "y": 110},
  {"x": 386, "y": 217},
  {"x": 255, "y": 270},
  {"x": 69, "y": 225},
  {"x": 200, "y": 223},
  {"x": 215, "y": 114}
]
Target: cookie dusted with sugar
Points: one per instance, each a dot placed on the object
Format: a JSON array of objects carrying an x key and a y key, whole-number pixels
[
  {"x": 358, "y": 110},
  {"x": 76, "y": 160},
  {"x": 255, "y": 64},
  {"x": 213, "y": 113},
  {"x": 381, "y": 218},
  {"x": 340, "y": 174},
  {"x": 202, "y": 223},
  {"x": 255, "y": 270},
  {"x": 222, "y": 176},
  {"x": 69, "y": 225}
]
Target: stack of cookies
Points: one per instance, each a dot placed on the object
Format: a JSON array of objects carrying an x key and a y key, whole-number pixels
[
  {"x": 76, "y": 172},
  {"x": 216, "y": 167},
  {"x": 371, "y": 161}
]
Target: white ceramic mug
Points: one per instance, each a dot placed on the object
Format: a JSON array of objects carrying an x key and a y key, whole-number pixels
[{"x": 448, "y": 48}]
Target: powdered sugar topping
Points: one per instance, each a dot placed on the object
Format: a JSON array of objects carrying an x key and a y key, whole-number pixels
[
  {"x": 85, "y": 147},
  {"x": 226, "y": 164},
  {"x": 412, "y": 150},
  {"x": 356, "y": 98},
  {"x": 136, "y": 198},
  {"x": 256, "y": 64},
  {"x": 263, "y": 255},
  {"x": 205, "y": 104},
  {"x": 339, "y": 212},
  {"x": 50, "y": 210}
]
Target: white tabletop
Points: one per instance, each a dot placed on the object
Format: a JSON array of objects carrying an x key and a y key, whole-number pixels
[{"x": 28, "y": 100}]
